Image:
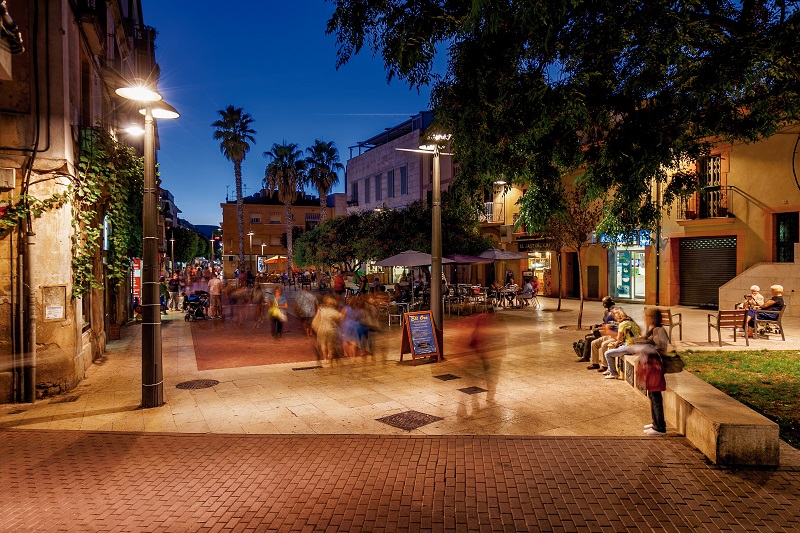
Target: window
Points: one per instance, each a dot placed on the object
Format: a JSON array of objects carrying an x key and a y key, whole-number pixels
[
  {"x": 255, "y": 218},
  {"x": 786, "y": 227},
  {"x": 390, "y": 184},
  {"x": 378, "y": 184},
  {"x": 312, "y": 221},
  {"x": 713, "y": 203},
  {"x": 354, "y": 193},
  {"x": 403, "y": 180},
  {"x": 275, "y": 240},
  {"x": 366, "y": 191},
  {"x": 274, "y": 218}
]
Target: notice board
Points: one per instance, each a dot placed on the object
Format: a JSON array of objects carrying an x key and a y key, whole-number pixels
[{"x": 419, "y": 336}]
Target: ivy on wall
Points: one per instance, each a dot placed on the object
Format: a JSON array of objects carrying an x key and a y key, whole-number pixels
[
  {"x": 16, "y": 210},
  {"x": 110, "y": 177}
]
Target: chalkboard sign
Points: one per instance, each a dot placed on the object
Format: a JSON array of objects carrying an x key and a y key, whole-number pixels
[{"x": 419, "y": 336}]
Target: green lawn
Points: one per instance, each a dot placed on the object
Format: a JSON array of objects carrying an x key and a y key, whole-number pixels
[{"x": 767, "y": 381}]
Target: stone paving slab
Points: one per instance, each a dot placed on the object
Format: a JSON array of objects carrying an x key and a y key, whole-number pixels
[{"x": 98, "y": 481}]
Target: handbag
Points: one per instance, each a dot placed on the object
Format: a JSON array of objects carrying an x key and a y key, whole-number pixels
[{"x": 672, "y": 363}]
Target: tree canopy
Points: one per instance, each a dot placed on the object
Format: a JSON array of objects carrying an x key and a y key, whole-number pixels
[
  {"x": 618, "y": 93},
  {"x": 370, "y": 235}
]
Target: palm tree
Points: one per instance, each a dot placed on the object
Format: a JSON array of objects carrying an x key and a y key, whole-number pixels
[
  {"x": 235, "y": 136},
  {"x": 323, "y": 167},
  {"x": 286, "y": 175}
]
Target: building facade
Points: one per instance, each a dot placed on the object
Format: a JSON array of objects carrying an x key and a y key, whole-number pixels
[
  {"x": 75, "y": 54},
  {"x": 383, "y": 175},
  {"x": 264, "y": 224}
]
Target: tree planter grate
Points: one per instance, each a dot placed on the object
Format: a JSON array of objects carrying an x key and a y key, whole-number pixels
[
  {"x": 307, "y": 367},
  {"x": 409, "y": 420},
  {"x": 197, "y": 384},
  {"x": 447, "y": 377}
]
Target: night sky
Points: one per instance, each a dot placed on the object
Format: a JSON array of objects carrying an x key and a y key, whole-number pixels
[{"x": 273, "y": 59}]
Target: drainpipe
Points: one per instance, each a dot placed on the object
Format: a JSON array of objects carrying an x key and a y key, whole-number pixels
[
  {"x": 29, "y": 299},
  {"x": 658, "y": 243}
]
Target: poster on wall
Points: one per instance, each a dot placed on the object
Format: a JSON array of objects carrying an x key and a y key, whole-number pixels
[{"x": 136, "y": 278}]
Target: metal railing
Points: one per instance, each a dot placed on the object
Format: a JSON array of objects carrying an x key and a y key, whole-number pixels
[
  {"x": 711, "y": 202},
  {"x": 492, "y": 213}
]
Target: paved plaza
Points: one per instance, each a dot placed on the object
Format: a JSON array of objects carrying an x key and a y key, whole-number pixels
[{"x": 534, "y": 441}]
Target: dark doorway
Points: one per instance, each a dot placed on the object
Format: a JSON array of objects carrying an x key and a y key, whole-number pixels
[
  {"x": 786, "y": 235},
  {"x": 593, "y": 281},
  {"x": 572, "y": 275},
  {"x": 706, "y": 263}
]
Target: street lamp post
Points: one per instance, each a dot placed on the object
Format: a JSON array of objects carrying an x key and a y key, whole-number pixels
[
  {"x": 250, "y": 253},
  {"x": 152, "y": 369},
  {"x": 434, "y": 148},
  {"x": 172, "y": 258}
]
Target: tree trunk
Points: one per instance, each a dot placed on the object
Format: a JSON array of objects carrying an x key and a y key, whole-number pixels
[
  {"x": 237, "y": 169},
  {"x": 560, "y": 280},
  {"x": 580, "y": 286},
  {"x": 289, "y": 224},
  {"x": 323, "y": 204}
]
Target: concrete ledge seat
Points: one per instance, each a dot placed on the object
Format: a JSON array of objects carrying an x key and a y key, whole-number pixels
[{"x": 725, "y": 430}]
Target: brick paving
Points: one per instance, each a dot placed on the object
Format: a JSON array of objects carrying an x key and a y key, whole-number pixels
[{"x": 98, "y": 481}]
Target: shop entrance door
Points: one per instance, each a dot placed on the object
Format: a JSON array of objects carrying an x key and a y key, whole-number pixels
[{"x": 627, "y": 278}]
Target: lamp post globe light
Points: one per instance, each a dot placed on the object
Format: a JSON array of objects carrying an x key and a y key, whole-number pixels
[
  {"x": 152, "y": 369},
  {"x": 250, "y": 252}
]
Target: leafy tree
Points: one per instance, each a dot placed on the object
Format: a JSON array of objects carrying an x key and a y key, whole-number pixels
[
  {"x": 323, "y": 170},
  {"x": 188, "y": 244},
  {"x": 297, "y": 232},
  {"x": 619, "y": 93},
  {"x": 286, "y": 175},
  {"x": 570, "y": 226},
  {"x": 235, "y": 135}
]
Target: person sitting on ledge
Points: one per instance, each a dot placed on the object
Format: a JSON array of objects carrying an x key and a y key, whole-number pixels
[{"x": 775, "y": 303}]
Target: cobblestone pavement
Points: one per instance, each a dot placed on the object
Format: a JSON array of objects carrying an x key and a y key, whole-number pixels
[{"x": 96, "y": 481}]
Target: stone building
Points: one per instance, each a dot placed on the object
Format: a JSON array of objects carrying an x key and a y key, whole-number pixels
[
  {"x": 264, "y": 223},
  {"x": 381, "y": 176},
  {"x": 76, "y": 52}
]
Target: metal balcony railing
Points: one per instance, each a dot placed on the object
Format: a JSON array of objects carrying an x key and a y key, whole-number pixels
[
  {"x": 710, "y": 202},
  {"x": 492, "y": 213}
]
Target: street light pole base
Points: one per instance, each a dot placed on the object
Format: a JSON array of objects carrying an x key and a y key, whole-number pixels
[{"x": 152, "y": 395}]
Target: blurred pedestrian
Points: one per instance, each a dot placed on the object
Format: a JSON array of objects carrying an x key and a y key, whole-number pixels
[
  {"x": 305, "y": 308},
  {"x": 278, "y": 312},
  {"x": 326, "y": 327}
]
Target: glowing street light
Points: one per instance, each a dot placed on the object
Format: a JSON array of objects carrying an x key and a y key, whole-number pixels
[{"x": 152, "y": 369}]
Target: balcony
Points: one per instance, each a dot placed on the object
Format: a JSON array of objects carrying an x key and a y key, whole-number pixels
[
  {"x": 93, "y": 17},
  {"x": 492, "y": 213},
  {"x": 712, "y": 202}
]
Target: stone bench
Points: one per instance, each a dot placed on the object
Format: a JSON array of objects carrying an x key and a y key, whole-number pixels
[{"x": 725, "y": 430}]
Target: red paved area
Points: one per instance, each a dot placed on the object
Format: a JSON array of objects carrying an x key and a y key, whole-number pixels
[
  {"x": 79, "y": 481},
  {"x": 225, "y": 344}
]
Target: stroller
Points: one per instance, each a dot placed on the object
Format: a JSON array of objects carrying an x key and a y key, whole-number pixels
[{"x": 195, "y": 306}]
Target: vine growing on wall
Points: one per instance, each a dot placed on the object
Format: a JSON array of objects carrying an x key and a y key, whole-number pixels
[
  {"x": 109, "y": 180},
  {"x": 17, "y": 209}
]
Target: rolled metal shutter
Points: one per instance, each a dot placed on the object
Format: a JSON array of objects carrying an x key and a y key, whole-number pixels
[{"x": 706, "y": 263}]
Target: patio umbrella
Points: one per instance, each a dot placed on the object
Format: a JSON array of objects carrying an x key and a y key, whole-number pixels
[
  {"x": 410, "y": 258},
  {"x": 463, "y": 259},
  {"x": 495, "y": 254}
]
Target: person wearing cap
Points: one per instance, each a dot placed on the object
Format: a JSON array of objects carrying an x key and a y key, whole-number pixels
[{"x": 775, "y": 303}]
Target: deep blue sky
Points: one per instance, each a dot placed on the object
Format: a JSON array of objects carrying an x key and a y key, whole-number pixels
[{"x": 274, "y": 60}]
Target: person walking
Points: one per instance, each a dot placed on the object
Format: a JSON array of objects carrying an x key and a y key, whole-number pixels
[
  {"x": 174, "y": 286},
  {"x": 326, "y": 327},
  {"x": 215, "y": 297},
  {"x": 278, "y": 312}
]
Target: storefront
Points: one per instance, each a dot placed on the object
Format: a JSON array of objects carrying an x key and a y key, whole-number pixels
[
  {"x": 626, "y": 262},
  {"x": 539, "y": 263}
]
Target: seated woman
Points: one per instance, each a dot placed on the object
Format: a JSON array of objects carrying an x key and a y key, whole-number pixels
[
  {"x": 775, "y": 303},
  {"x": 627, "y": 330},
  {"x": 752, "y": 300}
]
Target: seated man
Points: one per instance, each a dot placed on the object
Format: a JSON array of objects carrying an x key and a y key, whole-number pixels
[
  {"x": 775, "y": 303},
  {"x": 608, "y": 321},
  {"x": 627, "y": 330}
]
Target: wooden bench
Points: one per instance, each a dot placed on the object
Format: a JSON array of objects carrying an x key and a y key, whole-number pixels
[
  {"x": 670, "y": 320},
  {"x": 734, "y": 319},
  {"x": 776, "y": 321}
]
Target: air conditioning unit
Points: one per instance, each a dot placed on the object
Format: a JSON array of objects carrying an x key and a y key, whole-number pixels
[{"x": 7, "y": 178}]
